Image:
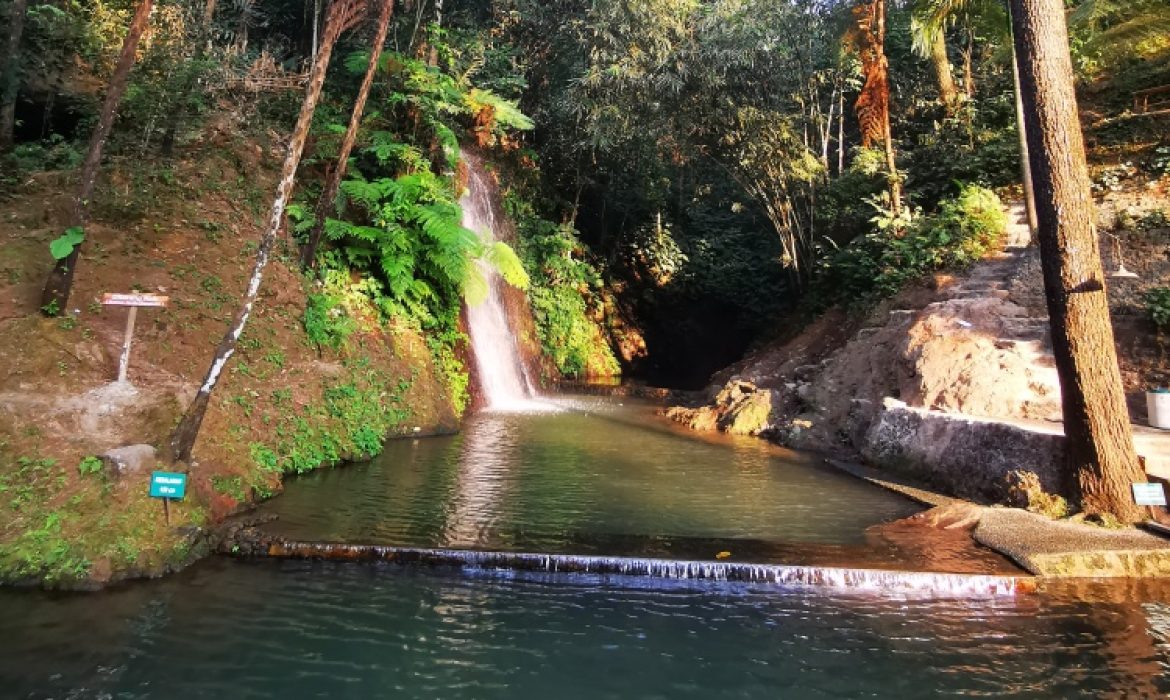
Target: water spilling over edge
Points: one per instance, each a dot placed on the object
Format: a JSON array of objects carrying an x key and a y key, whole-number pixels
[{"x": 862, "y": 580}]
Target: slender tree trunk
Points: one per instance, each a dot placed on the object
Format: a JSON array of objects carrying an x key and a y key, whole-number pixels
[
  {"x": 1101, "y": 459},
  {"x": 433, "y": 59},
  {"x": 841, "y": 134},
  {"x": 329, "y": 194},
  {"x": 968, "y": 66},
  {"x": 10, "y": 86},
  {"x": 947, "y": 92},
  {"x": 1025, "y": 159},
  {"x": 56, "y": 293},
  {"x": 339, "y": 17},
  {"x": 316, "y": 20}
]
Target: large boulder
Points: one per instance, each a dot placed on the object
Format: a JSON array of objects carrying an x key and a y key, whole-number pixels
[{"x": 740, "y": 408}]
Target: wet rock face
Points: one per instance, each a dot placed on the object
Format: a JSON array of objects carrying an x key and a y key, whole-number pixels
[{"x": 130, "y": 460}]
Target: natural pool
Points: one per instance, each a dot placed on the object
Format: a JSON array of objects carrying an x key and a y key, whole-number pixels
[
  {"x": 584, "y": 475},
  {"x": 602, "y": 478}
]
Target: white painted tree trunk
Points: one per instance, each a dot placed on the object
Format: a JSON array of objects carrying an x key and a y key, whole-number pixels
[{"x": 340, "y": 17}]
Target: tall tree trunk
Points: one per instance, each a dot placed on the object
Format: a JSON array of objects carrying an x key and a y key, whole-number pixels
[
  {"x": 1025, "y": 159},
  {"x": 209, "y": 12},
  {"x": 947, "y": 92},
  {"x": 329, "y": 195},
  {"x": 1101, "y": 459},
  {"x": 873, "y": 104},
  {"x": 340, "y": 16},
  {"x": 56, "y": 293},
  {"x": 10, "y": 77}
]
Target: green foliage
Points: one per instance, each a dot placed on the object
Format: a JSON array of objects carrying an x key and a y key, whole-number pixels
[
  {"x": 63, "y": 246},
  {"x": 232, "y": 486},
  {"x": 89, "y": 465},
  {"x": 1158, "y": 306},
  {"x": 563, "y": 287},
  {"x": 898, "y": 251},
  {"x": 506, "y": 115},
  {"x": 53, "y": 153},
  {"x": 349, "y": 421},
  {"x": 326, "y": 321}
]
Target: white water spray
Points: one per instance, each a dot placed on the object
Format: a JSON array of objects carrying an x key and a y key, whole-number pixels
[{"x": 502, "y": 375}]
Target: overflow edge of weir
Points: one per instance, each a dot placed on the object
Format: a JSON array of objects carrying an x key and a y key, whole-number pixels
[{"x": 841, "y": 578}]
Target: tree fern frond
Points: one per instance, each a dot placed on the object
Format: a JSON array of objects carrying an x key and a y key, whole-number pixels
[
  {"x": 505, "y": 261},
  {"x": 474, "y": 287}
]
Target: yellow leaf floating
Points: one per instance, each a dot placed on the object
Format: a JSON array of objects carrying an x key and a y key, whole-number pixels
[{"x": 723, "y": 555}]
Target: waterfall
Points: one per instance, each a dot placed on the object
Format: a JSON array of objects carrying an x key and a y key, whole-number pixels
[{"x": 502, "y": 375}]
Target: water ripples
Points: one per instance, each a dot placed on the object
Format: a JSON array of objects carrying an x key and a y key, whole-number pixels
[{"x": 313, "y": 629}]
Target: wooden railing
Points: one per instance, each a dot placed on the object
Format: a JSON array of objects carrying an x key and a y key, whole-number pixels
[{"x": 1151, "y": 99}]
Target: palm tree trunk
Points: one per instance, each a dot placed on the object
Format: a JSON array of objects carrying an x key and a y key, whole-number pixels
[
  {"x": 10, "y": 77},
  {"x": 333, "y": 183},
  {"x": 1101, "y": 460},
  {"x": 341, "y": 16},
  {"x": 56, "y": 293}
]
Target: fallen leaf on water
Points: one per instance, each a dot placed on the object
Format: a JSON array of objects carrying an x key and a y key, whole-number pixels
[{"x": 723, "y": 555}]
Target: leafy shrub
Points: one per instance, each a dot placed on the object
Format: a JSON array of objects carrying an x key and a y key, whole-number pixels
[
  {"x": 881, "y": 262},
  {"x": 561, "y": 293},
  {"x": 1158, "y": 306},
  {"x": 89, "y": 465},
  {"x": 327, "y": 324}
]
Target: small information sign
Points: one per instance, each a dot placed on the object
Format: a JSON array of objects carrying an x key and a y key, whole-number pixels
[
  {"x": 168, "y": 485},
  {"x": 134, "y": 301},
  {"x": 152, "y": 300},
  {"x": 1149, "y": 494}
]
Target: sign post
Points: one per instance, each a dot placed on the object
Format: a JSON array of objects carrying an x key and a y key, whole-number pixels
[
  {"x": 168, "y": 485},
  {"x": 133, "y": 301}
]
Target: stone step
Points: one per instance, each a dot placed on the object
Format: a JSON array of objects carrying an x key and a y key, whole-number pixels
[
  {"x": 1026, "y": 328},
  {"x": 981, "y": 294}
]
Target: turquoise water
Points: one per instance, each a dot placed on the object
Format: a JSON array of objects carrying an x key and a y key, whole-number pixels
[
  {"x": 604, "y": 478},
  {"x": 318, "y": 630},
  {"x": 601, "y": 476}
]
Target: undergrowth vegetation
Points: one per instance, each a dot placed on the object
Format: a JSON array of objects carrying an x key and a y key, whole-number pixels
[
  {"x": 564, "y": 287},
  {"x": 902, "y": 249}
]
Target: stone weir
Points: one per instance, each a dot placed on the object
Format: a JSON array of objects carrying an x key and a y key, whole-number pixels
[{"x": 887, "y": 582}]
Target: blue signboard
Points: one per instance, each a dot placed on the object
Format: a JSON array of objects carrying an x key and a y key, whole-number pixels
[{"x": 168, "y": 485}]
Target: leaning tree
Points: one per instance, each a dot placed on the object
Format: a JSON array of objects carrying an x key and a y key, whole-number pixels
[
  {"x": 333, "y": 182},
  {"x": 56, "y": 293},
  {"x": 341, "y": 16}
]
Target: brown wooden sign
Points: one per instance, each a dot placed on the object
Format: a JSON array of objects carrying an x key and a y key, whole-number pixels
[{"x": 154, "y": 300}]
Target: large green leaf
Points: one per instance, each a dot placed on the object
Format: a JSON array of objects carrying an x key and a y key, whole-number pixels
[{"x": 62, "y": 247}]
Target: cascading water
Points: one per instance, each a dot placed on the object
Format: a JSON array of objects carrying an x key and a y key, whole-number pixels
[
  {"x": 502, "y": 376},
  {"x": 884, "y": 581}
]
